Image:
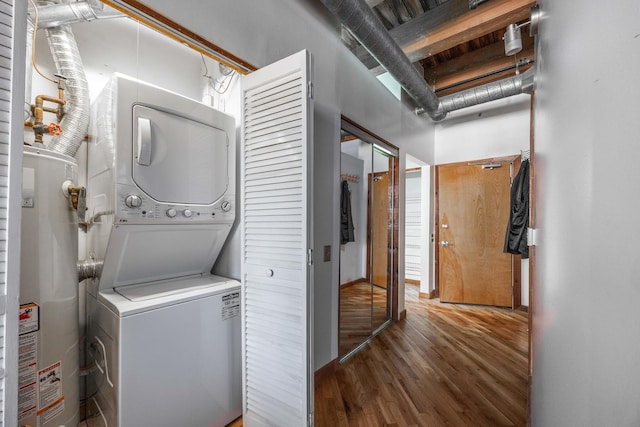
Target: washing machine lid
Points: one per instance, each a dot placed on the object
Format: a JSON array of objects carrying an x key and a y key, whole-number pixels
[
  {"x": 137, "y": 299},
  {"x": 177, "y": 159},
  {"x": 144, "y": 253},
  {"x": 173, "y": 287}
]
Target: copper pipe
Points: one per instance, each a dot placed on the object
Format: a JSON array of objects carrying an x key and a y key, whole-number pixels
[{"x": 39, "y": 109}]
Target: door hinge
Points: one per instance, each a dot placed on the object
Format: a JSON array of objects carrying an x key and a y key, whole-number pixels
[
  {"x": 532, "y": 236},
  {"x": 309, "y": 257},
  {"x": 310, "y": 89},
  {"x": 310, "y": 419}
]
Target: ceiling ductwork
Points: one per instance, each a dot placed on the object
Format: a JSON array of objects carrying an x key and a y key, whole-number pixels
[
  {"x": 363, "y": 24},
  {"x": 369, "y": 31},
  {"x": 56, "y": 15},
  {"x": 520, "y": 83}
]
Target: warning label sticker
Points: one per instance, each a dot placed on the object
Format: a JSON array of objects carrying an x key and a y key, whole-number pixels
[
  {"x": 50, "y": 412},
  {"x": 28, "y": 349},
  {"x": 27, "y": 374},
  {"x": 230, "y": 305},
  {"x": 27, "y": 401},
  {"x": 29, "y": 320},
  {"x": 49, "y": 386}
]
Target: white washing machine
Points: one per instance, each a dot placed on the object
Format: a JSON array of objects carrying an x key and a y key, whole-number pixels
[
  {"x": 164, "y": 332},
  {"x": 167, "y": 352}
]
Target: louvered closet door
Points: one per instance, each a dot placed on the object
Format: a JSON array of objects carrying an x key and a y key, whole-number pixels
[
  {"x": 276, "y": 270},
  {"x": 13, "y": 17}
]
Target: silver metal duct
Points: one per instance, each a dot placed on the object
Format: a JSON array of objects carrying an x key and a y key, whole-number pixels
[
  {"x": 66, "y": 56},
  {"x": 520, "y": 83},
  {"x": 369, "y": 31},
  {"x": 89, "y": 269},
  {"x": 360, "y": 20},
  {"x": 70, "y": 13}
]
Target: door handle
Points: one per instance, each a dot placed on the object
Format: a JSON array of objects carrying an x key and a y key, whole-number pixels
[
  {"x": 144, "y": 141},
  {"x": 445, "y": 244}
]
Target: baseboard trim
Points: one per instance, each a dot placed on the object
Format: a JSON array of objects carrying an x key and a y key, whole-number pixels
[
  {"x": 412, "y": 282},
  {"x": 326, "y": 371},
  {"x": 353, "y": 282},
  {"x": 523, "y": 308},
  {"x": 403, "y": 314},
  {"x": 427, "y": 295}
]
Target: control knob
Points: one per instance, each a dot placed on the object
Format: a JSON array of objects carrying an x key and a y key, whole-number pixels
[
  {"x": 133, "y": 201},
  {"x": 171, "y": 213},
  {"x": 225, "y": 206},
  {"x": 187, "y": 213}
]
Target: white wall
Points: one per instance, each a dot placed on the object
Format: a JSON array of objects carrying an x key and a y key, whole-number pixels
[
  {"x": 494, "y": 129},
  {"x": 326, "y": 201},
  {"x": 586, "y": 366},
  {"x": 498, "y": 128}
]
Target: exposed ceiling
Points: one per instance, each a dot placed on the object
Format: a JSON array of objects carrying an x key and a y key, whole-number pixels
[{"x": 459, "y": 46}]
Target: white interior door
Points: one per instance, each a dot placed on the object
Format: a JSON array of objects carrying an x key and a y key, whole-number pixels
[
  {"x": 276, "y": 216},
  {"x": 13, "y": 15}
]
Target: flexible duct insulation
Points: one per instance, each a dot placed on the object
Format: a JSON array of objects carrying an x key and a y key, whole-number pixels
[
  {"x": 369, "y": 31},
  {"x": 521, "y": 83},
  {"x": 69, "y": 64},
  {"x": 69, "y": 13},
  {"x": 88, "y": 269}
]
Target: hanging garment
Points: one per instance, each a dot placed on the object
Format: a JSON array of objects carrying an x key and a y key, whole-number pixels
[
  {"x": 515, "y": 241},
  {"x": 346, "y": 221}
]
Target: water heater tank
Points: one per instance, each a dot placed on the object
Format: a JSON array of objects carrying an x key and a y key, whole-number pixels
[{"x": 48, "y": 352}]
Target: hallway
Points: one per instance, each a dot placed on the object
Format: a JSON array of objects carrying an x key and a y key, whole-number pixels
[{"x": 453, "y": 365}]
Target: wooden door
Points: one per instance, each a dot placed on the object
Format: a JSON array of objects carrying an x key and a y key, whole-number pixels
[
  {"x": 379, "y": 199},
  {"x": 473, "y": 212}
]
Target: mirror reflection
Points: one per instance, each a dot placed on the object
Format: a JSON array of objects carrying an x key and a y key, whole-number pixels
[{"x": 366, "y": 228}]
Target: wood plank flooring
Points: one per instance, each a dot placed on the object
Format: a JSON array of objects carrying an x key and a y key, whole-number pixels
[
  {"x": 444, "y": 365},
  {"x": 357, "y": 303}
]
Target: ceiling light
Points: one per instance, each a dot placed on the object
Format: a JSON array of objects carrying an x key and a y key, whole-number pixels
[
  {"x": 512, "y": 40},
  {"x": 512, "y": 36}
]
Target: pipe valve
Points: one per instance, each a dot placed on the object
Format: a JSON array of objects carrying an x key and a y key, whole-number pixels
[{"x": 77, "y": 196}]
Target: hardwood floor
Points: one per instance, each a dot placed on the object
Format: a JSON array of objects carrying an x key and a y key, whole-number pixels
[
  {"x": 356, "y": 308},
  {"x": 444, "y": 365}
]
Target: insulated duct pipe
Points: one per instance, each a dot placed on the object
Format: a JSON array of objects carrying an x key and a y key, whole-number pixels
[
  {"x": 520, "y": 83},
  {"x": 66, "y": 56},
  {"x": 70, "y": 13},
  {"x": 369, "y": 31},
  {"x": 89, "y": 269}
]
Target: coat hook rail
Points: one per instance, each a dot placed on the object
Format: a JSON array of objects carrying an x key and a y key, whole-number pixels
[{"x": 350, "y": 178}]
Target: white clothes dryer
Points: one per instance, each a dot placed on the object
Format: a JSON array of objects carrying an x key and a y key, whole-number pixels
[{"x": 164, "y": 332}]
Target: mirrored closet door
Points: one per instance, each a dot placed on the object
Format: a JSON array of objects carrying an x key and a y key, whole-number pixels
[{"x": 368, "y": 230}]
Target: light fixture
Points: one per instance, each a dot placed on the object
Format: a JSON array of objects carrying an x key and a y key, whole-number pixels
[{"x": 512, "y": 37}]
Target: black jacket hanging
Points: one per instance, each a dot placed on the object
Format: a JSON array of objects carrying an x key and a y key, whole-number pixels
[
  {"x": 515, "y": 241},
  {"x": 346, "y": 221}
]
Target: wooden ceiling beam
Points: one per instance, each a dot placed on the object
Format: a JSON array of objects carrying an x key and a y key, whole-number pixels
[
  {"x": 473, "y": 64},
  {"x": 451, "y": 24}
]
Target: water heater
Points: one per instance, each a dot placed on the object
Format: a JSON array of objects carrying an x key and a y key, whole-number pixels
[{"x": 48, "y": 327}]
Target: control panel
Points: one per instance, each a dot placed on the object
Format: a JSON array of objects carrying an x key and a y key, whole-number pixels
[{"x": 136, "y": 207}]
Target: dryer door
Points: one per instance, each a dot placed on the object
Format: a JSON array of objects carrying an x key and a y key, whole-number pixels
[{"x": 178, "y": 160}]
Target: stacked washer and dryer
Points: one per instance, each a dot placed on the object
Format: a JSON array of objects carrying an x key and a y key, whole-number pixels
[{"x": 163, "y": 331}]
